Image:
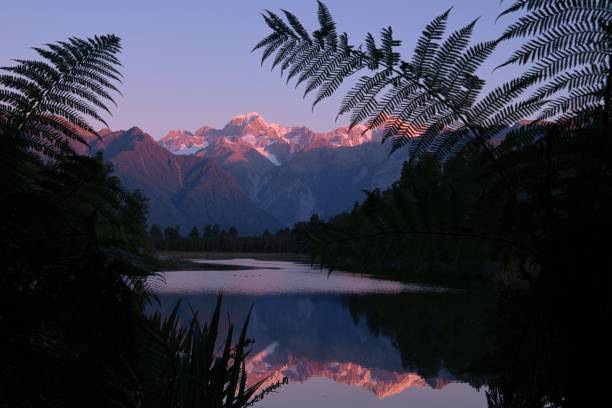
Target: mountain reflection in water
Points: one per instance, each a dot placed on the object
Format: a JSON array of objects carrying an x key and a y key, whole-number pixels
[{"x": 381, "y": 337}]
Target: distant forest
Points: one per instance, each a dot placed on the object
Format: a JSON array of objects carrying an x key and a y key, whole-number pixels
[{"x": 212, "y": 238}]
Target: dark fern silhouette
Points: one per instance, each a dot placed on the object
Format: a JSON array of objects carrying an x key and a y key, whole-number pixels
[
  {"x": 514, "y": 181},
  {"x": 568, "y": 53},
  {"x": 568, "y": 50},
  {"x": 74, "y": 257},
  {"x": 46, "y": 103},
  {"x": 430, "y": 103},
  {"x": 188, "y": 368}
]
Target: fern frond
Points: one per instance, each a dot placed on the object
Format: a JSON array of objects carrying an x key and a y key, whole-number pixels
[
  {"x": 267, "y": 40},
  {"x": 511, "y": 114},
  {"x": 585, "y": 98},
  {"x": 303, "y": 61},
  {"x": 277, "y": 23},
  {"x": 270, "y": 48},
  {"x": 554, "y": 40},
  {"x": 555, "y": 14},
  {"x": 497, "y": 99},
  {"x": 326, "y": 35},
  {"x": 53, "y": 98},
  {"x": 297, "y": 51},
  {"x": 346, "y": 68},
  {"x": 452, "y": 143},
  {"x": 393, "y": 102},
  {"x": 372, "y": 52},
  {"x": 436, "y": 91},
  {"x": 287, "y": 49},
  {"x": 387, "y": 48},
  {"x": 569, "y": 48},
  {"x": 316, "y": 64},
  {"x": 427, "y": 43},
  {"x": 587, "y": 76},
  {"x": 364, "y": 86},
  {"x": 448, "y": 54},
  {"x": 418, "y": 145},
  {"x": 324, "y": 72},
  {"x": 297, "y": 26}
]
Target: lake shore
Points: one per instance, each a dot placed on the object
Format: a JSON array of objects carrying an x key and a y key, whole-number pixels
[
  {"x": 260, "y": 256},
  {"x": 172, "y": 261},
  {"x": 171, "y": 264},
  {"x": 168, "y": 261}
]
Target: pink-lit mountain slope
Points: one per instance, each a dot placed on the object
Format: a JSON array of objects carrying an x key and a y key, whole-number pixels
[
  {"x": 183, "y": 190},
  {"x": 277, "y": 143}
]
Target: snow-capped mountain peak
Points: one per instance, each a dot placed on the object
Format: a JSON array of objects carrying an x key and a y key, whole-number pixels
[
  {"x": 275, "y": 142},
  {"x": 241, "y": 120},
  {"x": 183, "y": 142}
]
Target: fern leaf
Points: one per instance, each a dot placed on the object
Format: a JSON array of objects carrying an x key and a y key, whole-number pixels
[
  {"x": 427, "y": 43},
  {"x": 297, "y": 26},
  {"x": 53, "y": 98}
]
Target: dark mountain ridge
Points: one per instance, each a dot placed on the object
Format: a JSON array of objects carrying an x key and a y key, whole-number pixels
[{"x": 183, "y": 190}]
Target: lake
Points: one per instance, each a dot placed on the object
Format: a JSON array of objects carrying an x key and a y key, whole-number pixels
[{"x": 344, "y": 340}]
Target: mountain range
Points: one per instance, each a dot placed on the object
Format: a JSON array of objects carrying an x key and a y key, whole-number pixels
[
  {"x": 275, "y": 142},
  {"x": 250, "y": 174}
]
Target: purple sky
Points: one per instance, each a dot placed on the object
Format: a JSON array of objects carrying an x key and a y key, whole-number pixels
[{"x": 188, "y": 63}]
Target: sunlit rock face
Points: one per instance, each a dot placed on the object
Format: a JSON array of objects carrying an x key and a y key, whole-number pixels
[
  {"x": 327, "y": 180},
  {"x": 275, "y": 142},
  {"x": 292, "y": 172},
  {"x": 183, "y": 142}
]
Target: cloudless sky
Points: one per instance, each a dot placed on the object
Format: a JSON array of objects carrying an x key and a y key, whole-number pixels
[{"x": 187, "y": 63}]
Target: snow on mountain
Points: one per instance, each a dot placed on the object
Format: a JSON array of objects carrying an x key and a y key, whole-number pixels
[
  {"x": 183, "y": 142},
  {"x": 275, "y": 142}
]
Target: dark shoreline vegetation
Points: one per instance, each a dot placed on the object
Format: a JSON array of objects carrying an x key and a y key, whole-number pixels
[
  {"x": 76, "y": 259},
  {"x": 177, "y": 263},
  {"x": 214, "y": 255},
  {"x": 211, "y": 238},
  {"x": 529, "y": 211}
]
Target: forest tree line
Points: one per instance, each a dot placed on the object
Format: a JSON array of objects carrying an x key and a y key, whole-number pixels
[{"x": 212, "y": 238}]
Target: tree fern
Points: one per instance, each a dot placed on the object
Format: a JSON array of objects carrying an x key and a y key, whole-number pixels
[
  {"x": 45, "y": 104},
  {"x": 568, "y": 56},
  {"x": 569, "y": 50},
  {"x": 432, "y": 103},
  {"x": 431, "y": 95}
]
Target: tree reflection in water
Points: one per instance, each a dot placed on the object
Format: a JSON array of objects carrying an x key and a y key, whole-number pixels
[{"x": 529, "y": 350}]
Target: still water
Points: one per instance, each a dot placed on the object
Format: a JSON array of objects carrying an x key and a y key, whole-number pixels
[{"x": 344, "y": 340}]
